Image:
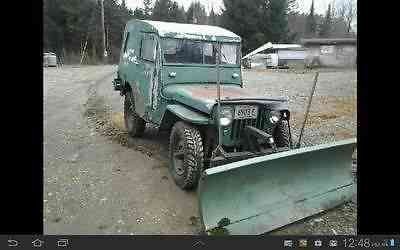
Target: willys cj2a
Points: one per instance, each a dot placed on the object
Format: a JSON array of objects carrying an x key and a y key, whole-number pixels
[{"x": 233, "y": 145}]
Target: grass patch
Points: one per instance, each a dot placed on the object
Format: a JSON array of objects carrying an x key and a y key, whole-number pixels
[
  {"x": 218, "y": 231},
  {"x": 117, "y": 119},
  {"x": 328, "y": 108}
]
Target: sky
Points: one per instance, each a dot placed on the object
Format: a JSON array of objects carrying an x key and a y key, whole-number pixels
[{"x": 304, "y": 5}]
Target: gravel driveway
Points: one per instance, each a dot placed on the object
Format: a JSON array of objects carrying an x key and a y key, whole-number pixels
[{"x": 99, "y": 181}]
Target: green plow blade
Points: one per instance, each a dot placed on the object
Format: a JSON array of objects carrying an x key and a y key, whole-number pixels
[{"x": 264, "y": 193}]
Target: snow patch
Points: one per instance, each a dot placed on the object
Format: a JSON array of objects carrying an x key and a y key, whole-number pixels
[{"x": 190, "y": 29}]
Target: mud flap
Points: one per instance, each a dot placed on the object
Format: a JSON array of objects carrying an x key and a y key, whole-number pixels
[{"x": 264, "y": 193}]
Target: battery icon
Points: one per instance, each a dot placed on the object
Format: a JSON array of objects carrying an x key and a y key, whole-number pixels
[{"x": 391, "y": 242}]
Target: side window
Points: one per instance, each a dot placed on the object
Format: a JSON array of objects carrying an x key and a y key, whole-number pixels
[
  {"x": 148, "y": 48},
  {"x": 126, "y": 41},
  {"x": 229, "y": 54}
]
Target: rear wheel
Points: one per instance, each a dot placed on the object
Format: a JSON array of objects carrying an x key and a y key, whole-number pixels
[
  {"x": 186, "y": 155},
  {"x": 281, "y": 134},
  {"x": 134, "y": 124}
]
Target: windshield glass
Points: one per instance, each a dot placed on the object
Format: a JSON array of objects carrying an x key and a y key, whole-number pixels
[{"x": 201, "y": 52}]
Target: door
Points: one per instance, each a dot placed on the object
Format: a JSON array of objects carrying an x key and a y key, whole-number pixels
[
  {"x": 126, "y": 56},
  {"x": 149, "y": 75}
]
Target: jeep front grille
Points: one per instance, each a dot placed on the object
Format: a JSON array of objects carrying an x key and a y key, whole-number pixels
[{"x": 238, "y": 125}]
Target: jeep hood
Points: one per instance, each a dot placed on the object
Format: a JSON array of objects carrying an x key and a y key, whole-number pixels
[{"x": 203, "y": 96}]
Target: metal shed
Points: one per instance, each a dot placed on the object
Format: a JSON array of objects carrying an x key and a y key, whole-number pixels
[
  {"x": 336, "y": 52},
  {"x": 288, "y": 57},
  {"x": 278, "y": 55}
]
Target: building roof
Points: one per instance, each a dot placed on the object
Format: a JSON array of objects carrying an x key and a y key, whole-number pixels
[
  {"x": 328, "y": 41},
  {"x": 191, "y": 31}
]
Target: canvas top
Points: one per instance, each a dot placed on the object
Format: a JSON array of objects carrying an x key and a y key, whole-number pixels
[{"x": 193, "y": 31}]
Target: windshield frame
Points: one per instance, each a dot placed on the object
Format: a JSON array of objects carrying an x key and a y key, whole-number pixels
[{"x": 238, "y": 54}]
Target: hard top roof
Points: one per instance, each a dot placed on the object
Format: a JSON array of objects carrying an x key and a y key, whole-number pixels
[{"x": 193, "y": 31}]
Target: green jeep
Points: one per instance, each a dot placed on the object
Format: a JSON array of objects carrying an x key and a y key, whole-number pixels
[
  {"x": 168, "y": 74},
  {"x": 234, "y": 144}
]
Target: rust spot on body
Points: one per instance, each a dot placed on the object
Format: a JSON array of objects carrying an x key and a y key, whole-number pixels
[{"x": 210, "y": 92}]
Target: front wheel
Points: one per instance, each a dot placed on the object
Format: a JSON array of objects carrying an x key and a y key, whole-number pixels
[
  {"x": 134, "y": 124},
  {"x": 281, "y": 134},
  {"x": 186, "y": 155}
]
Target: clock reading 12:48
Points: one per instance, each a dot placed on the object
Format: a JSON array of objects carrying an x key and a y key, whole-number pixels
[{"x": 367, "y": 243}]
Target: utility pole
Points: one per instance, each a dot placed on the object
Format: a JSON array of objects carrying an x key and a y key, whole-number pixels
[{"x": 104, "y": 56}]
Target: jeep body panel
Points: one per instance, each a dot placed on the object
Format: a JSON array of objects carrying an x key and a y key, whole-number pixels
[
  {"x": 188, "y": 115},
  {"x": 168, "y": 86},
  {"x": 203, "y": 96},
  {"x": 146, "y": 78},
  {"x": 200, "y": 74},
  {"x": 140, "y": 74}
]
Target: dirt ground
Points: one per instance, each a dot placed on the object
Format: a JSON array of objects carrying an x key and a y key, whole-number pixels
[{"x": 97, "y": 180}]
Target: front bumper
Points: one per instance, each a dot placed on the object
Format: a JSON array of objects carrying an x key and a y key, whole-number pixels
[
  {"x": 226, "y": 158},
  {"x": 251, "y": 147}
]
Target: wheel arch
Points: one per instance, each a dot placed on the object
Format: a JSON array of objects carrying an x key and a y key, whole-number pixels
[{"x": 178, "y": 112}]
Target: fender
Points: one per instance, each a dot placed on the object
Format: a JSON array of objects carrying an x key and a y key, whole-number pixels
[{"x": 188, "y": 115}]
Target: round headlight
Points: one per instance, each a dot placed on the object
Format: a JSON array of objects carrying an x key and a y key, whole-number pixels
[
  {"x": 274, "y": 117},
  {"x": 225, "y": 116},
  {"x": 224, "y": 121}
]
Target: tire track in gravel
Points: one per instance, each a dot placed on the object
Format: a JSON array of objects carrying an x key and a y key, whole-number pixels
[{"x": 99, "y": 115}]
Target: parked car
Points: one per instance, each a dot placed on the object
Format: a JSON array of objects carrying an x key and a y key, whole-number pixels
[{"x": 49, "y": 59}]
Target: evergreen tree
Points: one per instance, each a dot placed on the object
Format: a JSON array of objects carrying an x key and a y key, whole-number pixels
[
  {"x": 161, "y": 10},
  {"x": 72, "y": 28},
  {"x": 248, "y": 19},
  {"x": 196, "y": 13},
  {"x": 326, "y": 26},
  {"x": 147, "y": 8},
  {"x": 176, "y": 13},
  {"x": 311, "y": 24},
  {"x": 183, "y": 14},
  {"x": 139, "y": 13},
  {"x": 278, "y": 19},
  {"x": 212, "y": 19},
  {"x": 115, "y": 18}
]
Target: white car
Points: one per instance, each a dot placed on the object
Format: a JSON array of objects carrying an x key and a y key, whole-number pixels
[{"x": 49, "y": 59}]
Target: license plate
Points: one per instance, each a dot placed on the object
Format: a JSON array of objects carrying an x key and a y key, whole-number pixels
[{"x": 246, "y": 112}]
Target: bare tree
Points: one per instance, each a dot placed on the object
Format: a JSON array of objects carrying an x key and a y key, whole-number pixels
[
  {"x": 293, "y": 6},
  {"x": 351, "y": 13},
  {"x": 347, "y": 11}
]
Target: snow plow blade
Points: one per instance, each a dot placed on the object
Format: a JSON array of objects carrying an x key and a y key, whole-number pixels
[{"x": 264, "y": 193}]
